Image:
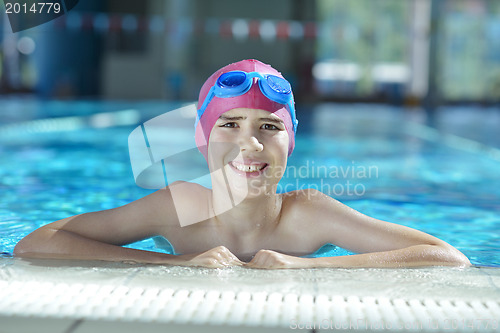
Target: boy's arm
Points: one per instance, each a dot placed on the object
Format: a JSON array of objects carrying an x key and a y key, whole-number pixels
[
  {"x": 100, "y": 236},
  {"x": 380, "y": 243},
  {"x": 61, "y": 244},
  {"x": 413, "y": 256}
]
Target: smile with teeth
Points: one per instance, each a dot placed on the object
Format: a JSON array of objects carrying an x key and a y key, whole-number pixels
[{"x": 248, "y": 167}]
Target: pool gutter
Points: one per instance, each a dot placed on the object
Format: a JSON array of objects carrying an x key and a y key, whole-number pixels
[{"x": 79, "y": 296}]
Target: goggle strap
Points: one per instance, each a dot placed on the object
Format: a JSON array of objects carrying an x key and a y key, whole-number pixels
[
  {"x": 295, "y": 122},
  {"x": 207, "y": 101}
]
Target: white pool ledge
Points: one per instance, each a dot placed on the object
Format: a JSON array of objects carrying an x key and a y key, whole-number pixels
[{"x": 76, "y": 297}]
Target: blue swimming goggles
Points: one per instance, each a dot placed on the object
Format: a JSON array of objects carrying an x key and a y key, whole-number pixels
[{"x": 237, "y": 83}]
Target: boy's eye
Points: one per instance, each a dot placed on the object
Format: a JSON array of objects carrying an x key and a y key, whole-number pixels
[
  {"x": 269, "y": 127},
  {"x": 230, "y": 125}
]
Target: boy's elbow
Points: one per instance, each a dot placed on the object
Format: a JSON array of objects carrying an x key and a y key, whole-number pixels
[
  {"x": 462, "y": 260},
  {"x": 31, "y": 244},
  {"x": 22, "y": 248},
  {"x": 453, "y": 257}
]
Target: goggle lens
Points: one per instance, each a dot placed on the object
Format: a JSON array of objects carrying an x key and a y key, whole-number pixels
[
  {"x": 279, "y": 85},
  {"x": 232, "y": 79}
]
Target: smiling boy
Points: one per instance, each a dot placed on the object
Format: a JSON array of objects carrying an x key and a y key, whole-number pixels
[{"x": 245, "y": 129}]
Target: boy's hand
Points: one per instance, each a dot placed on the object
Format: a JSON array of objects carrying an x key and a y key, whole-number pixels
[
  {"x": 268, "y": 259},
  {"x": 217, "y": 257}
]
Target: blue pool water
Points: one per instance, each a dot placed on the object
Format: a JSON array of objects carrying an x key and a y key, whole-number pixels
[{"x": 63, "y": 158}]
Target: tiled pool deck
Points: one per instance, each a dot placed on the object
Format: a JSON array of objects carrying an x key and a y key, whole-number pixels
[{"x": 76, "y": 297}]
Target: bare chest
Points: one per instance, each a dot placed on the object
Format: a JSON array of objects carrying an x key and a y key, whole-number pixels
[{"x": 289, "y": 237}]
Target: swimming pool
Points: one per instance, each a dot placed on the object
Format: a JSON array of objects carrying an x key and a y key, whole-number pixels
[{"x": 63, "y": 158}]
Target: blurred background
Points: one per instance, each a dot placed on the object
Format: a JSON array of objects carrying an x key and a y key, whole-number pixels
[
  {"x": 409, "y": 86},
  {"x": 413, "y": 52}
]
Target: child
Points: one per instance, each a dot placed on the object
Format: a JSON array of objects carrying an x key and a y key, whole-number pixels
[{"x": 245, "y": 129}]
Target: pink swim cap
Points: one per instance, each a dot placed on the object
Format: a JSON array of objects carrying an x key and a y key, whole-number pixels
[{"x": 253, "y": 99}]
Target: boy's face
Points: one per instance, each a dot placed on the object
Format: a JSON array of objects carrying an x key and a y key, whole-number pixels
[{"x": 251, "y": 146}]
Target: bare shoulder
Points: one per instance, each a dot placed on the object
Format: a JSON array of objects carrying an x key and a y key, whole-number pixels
[
  {"x": 301, "y": 208},
  {"x": 166, "y": 204},
  {"x": 303, "y": 216},
  {"x": 186, "y": 189},
  {"x": 317, "y": 217},
  {"x": 311, "y": 201},
  {"x": 188, "y": 201},
  {"x": 323, "y": 219}
]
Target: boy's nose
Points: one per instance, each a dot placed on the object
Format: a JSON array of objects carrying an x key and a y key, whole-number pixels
[{"x": 250, "y": 142}]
